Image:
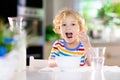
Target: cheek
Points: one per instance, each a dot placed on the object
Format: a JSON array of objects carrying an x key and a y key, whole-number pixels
[
  {"x": 77, "y": 28},
  {"x": 76, "y": 31},
  {"x": 62, "y": 29}
]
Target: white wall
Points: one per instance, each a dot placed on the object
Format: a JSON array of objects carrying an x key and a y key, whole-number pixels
[
  {"x": 59, "y": 4},
  {"x": 48, "y": 6},
  {"x": 52, "y": 7}
]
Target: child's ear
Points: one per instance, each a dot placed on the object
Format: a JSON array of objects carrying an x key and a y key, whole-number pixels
[{"x": 58, "y": 31}]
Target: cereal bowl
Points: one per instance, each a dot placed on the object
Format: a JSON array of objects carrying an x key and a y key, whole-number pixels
[{"x": 68, "y": 62}]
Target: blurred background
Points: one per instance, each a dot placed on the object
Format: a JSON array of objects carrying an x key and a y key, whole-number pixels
[{"x": 102, "y": 20}]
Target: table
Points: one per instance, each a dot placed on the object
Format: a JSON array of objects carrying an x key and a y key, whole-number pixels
[
  {"x": 109, "y": 73},
  {"x": 10, "y": 70}
]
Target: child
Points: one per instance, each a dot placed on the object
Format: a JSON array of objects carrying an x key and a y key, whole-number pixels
[{"x": 71, "y": 26}]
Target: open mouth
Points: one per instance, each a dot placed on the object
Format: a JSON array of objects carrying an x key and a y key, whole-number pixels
[{"x": 69, "y": 35}]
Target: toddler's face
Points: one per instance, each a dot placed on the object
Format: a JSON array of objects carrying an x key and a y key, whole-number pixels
[{"x": 69, "y": 29}]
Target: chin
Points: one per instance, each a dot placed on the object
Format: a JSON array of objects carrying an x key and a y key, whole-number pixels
[{"x": 69, "y": 40}]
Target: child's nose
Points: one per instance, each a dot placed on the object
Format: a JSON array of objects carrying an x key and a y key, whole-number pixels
[{"x": 68, "y": 27}]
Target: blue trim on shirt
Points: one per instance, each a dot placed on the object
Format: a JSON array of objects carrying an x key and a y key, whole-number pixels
[
  {"x": 54, "y": 53},
  {"x": 80, "y": 45},
  {"x": 83, "y": 57},
  {"x": 82, "y": 61}
]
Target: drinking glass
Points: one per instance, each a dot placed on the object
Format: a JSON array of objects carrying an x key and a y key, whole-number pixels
[
  {"x": 97, "y": 57},
  {"x": 97, "y": 75}
]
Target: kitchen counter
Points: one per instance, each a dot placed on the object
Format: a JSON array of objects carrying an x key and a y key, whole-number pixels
[{"x": 105, "y": 43}]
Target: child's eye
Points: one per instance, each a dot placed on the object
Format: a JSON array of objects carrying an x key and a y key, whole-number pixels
[
  {"x": 73, "y": 24},
  {"x": 63, "y": 24}
]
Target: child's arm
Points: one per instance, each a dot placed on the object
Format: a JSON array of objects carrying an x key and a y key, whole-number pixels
[
  {"x": 85, "y": 40},
  {"x": 53, "y": 54}
]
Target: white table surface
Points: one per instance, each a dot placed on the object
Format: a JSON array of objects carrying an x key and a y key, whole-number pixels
[{"x": 109, "y": 73}]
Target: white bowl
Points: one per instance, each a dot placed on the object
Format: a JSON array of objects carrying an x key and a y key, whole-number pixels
[{"x": 68, "y": 62}]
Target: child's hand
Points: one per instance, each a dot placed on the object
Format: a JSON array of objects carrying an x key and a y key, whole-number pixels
[
  {"x": 83, "y": 37},
  {"x": 52, "y": 63}
]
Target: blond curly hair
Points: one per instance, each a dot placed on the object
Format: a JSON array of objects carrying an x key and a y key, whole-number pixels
[{"x": 68, "y": 12}]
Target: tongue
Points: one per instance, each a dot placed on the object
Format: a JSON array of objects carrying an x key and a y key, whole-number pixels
[{"x": 69, "y": 35}]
